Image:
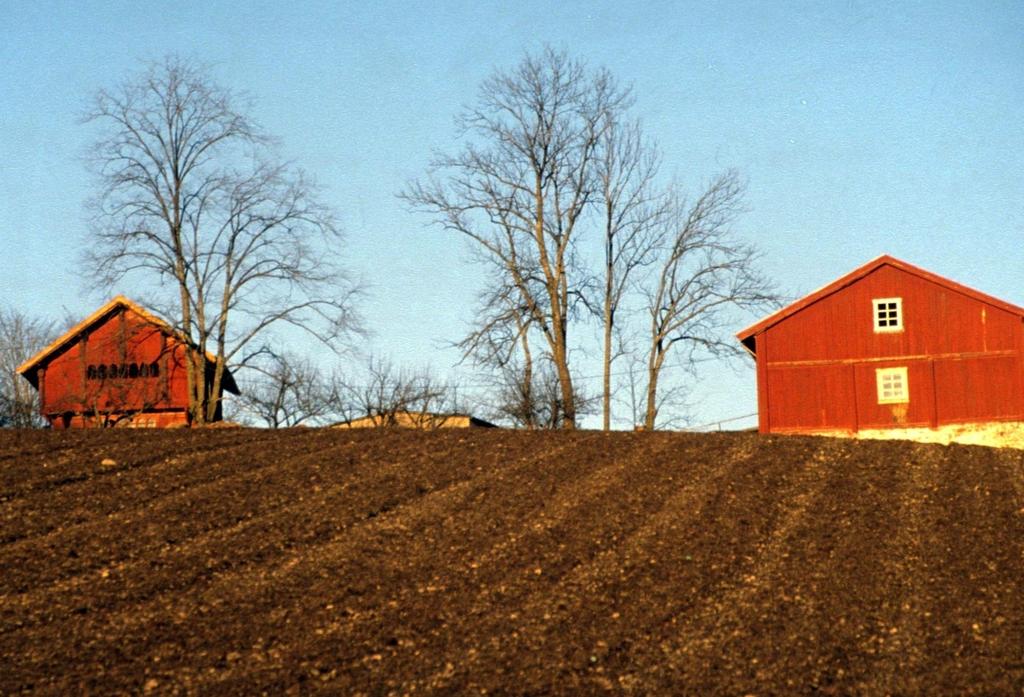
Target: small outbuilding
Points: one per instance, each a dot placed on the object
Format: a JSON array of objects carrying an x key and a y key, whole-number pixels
[
  {"x": 121, "y": 366},
  {"x": 424, "y": 420},
  {"x": 888, "y": 346}
]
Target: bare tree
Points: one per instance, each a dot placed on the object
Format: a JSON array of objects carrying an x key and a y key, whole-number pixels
[
  {"x": 524, "y": 181},
  {"x": 633, "y": 216},
  {"x": 536, "y": 404},
  {"x": 21, "y": 337},
  {"x": 500, "y": 342},
  {"x": 633, "y": 388},
  {"x": 287, "y": 390},
  {"x": 525, "y": 388},
  {"x": 188, "y": 192},
  {"x": 705, "y": 272},
  {"x": 390, "y": 396}
]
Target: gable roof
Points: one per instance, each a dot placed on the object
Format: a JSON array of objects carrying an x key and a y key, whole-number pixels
[
  {"x": 746, "y": 336},
  {"x": 29, "y": 367}
]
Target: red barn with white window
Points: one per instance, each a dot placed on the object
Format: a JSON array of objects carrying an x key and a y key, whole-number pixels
[
  {"x": 120, "y": 366},
  {"x": 888, "y": 346}
]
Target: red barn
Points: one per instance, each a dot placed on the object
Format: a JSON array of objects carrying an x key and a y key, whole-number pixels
[
  {"x": 119, "y": 366},
  {"x": 888, "y": 346}
]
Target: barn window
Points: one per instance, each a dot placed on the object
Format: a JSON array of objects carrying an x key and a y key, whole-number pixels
[
  {"x": 90, "y": 373},
  {"x": 888, "y": 314},
  {"x": 892, "y": 385}
]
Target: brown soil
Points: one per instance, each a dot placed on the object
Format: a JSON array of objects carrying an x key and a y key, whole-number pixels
[{"x": 237, "y": 561}]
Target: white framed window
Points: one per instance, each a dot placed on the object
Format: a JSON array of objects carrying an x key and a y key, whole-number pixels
[
  {"x": 892, "y": 385},
  {"x": 888, "y": 313}
]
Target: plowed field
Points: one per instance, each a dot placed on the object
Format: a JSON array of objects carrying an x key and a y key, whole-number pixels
[{"x": 243, "y": 562}]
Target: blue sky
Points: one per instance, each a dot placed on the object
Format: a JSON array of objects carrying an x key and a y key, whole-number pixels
[{"x": 861, "y": 128}]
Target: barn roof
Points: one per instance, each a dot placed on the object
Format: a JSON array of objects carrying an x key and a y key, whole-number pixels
[
  {"x": 29, "y": 367},
  {"x": 747, "y": 335}
]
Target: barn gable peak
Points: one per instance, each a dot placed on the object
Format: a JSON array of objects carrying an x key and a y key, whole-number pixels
[
  {"x": 29, "y": 368},
  {"x": 748, "y": 336}
]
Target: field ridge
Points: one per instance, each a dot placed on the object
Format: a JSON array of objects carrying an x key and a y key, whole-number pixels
[{"x": 236, "y": 561}]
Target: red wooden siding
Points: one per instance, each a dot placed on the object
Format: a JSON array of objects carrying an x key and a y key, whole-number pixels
[
  {"x": 979, "y": 389},
  {"x": 124, "y": 340},
  {"x": 936, "y": 321},
  {"x": 803, "y": 398},
  {"x": 121, "y": 362},
  {"x": 817, "y": 359}
]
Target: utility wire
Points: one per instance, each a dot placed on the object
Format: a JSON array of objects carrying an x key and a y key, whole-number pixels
[
  {"x": 719, "y": 422},
  {"x": 614, "y": 374}
]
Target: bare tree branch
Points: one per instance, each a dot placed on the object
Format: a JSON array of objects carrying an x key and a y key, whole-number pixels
[
  {"x": 187, "y": 194},
  {"x": 633, "y": 217},
  {"x": 21, "y": 337},
  {"x": 285, "y": 391},
  {"x": 705, "y": 272},
  {"x": 392, "y": 396},
  {"x": 520, "y": 187}
]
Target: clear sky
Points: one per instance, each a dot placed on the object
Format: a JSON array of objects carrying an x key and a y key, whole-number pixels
[{"x": 861, "y": 128}]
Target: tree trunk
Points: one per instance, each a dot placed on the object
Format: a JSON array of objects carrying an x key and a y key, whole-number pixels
[
  {"x": 652, "y": 399},
  {"x": 199, "y": 372},
  {"x": 607, "y": 425},
  {"x": 215, "y": 390},
  {"x": 653, "y": 372},
  {"x": 608, "y": 320},
  {"x": 193, "y": 379},
  {"x": 565, "y": 384},
  {"x": 529, "y": 407}
]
